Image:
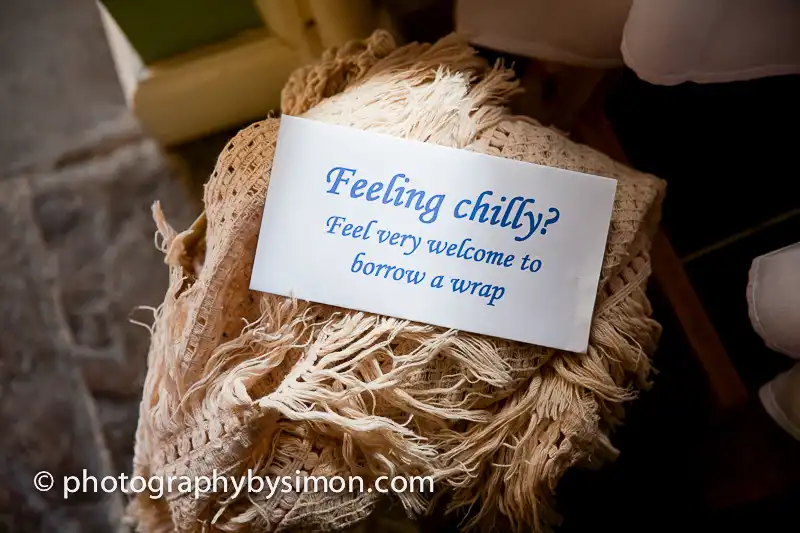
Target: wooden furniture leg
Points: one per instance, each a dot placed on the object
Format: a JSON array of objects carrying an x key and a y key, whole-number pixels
[{"x": 726, "y": 385}]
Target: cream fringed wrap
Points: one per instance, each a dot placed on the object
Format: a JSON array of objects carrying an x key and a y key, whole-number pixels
[{"x": 242, "y": 380}]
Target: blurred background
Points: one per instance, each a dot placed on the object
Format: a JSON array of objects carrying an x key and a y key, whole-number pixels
[{"x": 108, "y": 106}]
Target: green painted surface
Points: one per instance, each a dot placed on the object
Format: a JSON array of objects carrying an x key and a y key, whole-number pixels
[{"x": 159, "y": 29}]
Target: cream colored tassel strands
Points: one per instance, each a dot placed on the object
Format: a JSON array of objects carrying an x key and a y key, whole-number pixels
[{"x": 242, "y": 380}]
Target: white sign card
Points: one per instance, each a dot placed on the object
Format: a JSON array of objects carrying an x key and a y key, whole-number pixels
[{"x": 433, "y": 234}]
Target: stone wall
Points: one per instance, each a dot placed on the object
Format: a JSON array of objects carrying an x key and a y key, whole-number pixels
[{"x": 77, "y": 181}]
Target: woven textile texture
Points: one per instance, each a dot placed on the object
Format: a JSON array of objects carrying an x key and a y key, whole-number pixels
[{"x": 242, "y": 380}]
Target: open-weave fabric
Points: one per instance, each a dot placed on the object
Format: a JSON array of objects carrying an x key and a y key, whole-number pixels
[{"x": 242, "y": 380}]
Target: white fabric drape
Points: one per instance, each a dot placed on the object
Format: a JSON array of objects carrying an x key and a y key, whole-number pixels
[{"x": 664, "y": 41}]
